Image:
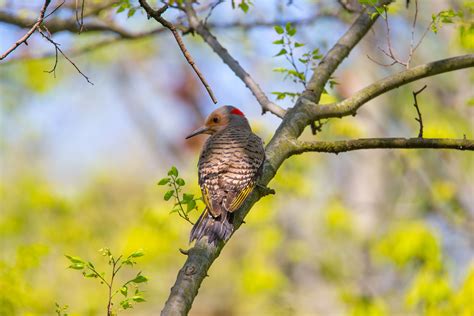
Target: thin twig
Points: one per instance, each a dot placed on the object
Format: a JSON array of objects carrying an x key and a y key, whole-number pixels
[
  {"x": 24, "y": 39},
  {"x": 413, "y": 47},
  {"x": 56, "y": 46},
  {"x": 233, "y": 64},
  {"x": 54, "y": 10},
  {"x": 80, "y": 19},
  {"x": 419, "y": 119},
  {"x": 157, "y": 16},
  {"x": 413, "y": 28},
  {"x": 213, "y": 6}
]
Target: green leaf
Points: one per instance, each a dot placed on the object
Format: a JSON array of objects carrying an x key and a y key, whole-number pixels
[
  {"x": 136, "y": 254},
  {"x": 105, "y": 252},
  {"x": 281, "y": 52},
  {"x": 299, "y": 44},
  {"x": 278, "y": 42},
  {"x": 164, "y": 181},
  {"x": 289, "y": 29},
  {"x": 139, "y": 279},
  {"x": 120, "y": 9},
  {"x": 303, "y": 61},
  {"x": 138, "y": 299},
  {"x": 187, "y": 197},
  {"x": 280, "y": 69},
  {"x": 125, "y": 304},
  {"x": 74, "y": 259},
  {"x": 244, "y": 6},
  {"x": 168, "y": 195},
  {"x": 173, "y": 171},
  {"x": 278, "y": 29},
  {"x": 180, "y": 182},
  {"x": 279, "y": 95},
  {"x": 131, "y": 12},
  {"x": 124, "y": 290},
  {"x": 191, "y": 205},
  {"x": 77, "y": 266}
]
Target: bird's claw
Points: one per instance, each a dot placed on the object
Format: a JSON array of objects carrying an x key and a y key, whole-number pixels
[{"x": 264, "y": 190}]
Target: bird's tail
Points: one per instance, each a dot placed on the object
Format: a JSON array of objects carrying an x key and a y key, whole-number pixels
[{"x": 215, "y": 228}]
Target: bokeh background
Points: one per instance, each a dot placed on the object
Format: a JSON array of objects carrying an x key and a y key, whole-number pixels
[{"x": 375, "y": 232}]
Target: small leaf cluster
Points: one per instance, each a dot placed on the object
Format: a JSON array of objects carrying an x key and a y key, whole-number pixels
[
  {"x": 444, "y": 17},
  {"x": 123, "y": 5},
  {"x": 175, "y": 2},
  {"x": 244, "y": 5},
  {"x": 176, "y": 184},
  {"x": 299, "y": 65},
  {"x": 61, "y": 310},
  {"x": 116, "y": 263},
  {"x": 379, "y": 10}
]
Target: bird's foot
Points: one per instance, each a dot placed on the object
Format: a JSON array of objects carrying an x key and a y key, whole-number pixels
[{"x": 264, "y": 190}]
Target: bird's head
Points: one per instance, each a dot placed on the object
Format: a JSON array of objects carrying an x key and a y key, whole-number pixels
[{"x": 221, "y": 118}]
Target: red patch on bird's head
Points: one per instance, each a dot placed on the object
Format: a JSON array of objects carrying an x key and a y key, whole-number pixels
[{"x": 236, "y": 111}]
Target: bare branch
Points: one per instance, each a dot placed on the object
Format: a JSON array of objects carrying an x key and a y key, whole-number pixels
[
  {"x": 233, "y": 64},
  {"x": 157, "y": 16},
  {"x": 338, "y": 53},
  {"x": 57, "y": 49},
  {"x": 58, "y": 25},
  {"x": 350, "y": 105},
  {"x": 24, "y": 39},
  {"x": 336, "y": 147},
  {"x": 80, "y": 17},
  {"x": 419, "y": 119}
]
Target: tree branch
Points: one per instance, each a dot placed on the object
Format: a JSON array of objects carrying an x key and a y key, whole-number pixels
[
  {"x": 419, "y": 119},
  {"x": 339, "y": 52},
  {"x": 57, "y": 25},
  {"x": 340, "y": 146},
  {"x": 35, "y": 26},
  {"x": 233, "y": 64},
  {"x": 157, "y": 16},
  {"x": 284, "y": 142},
  {"x": 202, "y": 255},
  {"x": 350, "y": 105}
]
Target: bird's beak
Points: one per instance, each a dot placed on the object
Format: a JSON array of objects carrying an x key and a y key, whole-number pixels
[{"x": 200, "y": 130}]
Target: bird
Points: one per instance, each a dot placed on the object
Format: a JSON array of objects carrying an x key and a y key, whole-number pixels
[{"x": 229, "y": 167}]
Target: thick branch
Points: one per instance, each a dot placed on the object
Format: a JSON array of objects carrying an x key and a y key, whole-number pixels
[
  {"x": 283, "y": 145},
  {"x": 35, "y": 26},
  {"x": 233, "y": 64},
  {"x": 381, "y": 143},
  {"x": 350, "y": 105}
]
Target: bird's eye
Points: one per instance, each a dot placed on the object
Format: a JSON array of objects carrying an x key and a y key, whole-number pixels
[{"x": 215, "y": 119}]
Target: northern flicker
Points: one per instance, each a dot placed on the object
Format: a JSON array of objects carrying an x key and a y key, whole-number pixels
[{"x": 229, "y": 166}]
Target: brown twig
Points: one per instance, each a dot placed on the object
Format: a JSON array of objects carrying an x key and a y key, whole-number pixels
[
  {"x": 80, "y": 19},
  {"x": 413, "y": 47},
  {"x": 233, "y": 64},
  {"x": 419, "y": 119},
  {"x": 24, "y": 39},
  {"x": 54, "y": 10},
  {"x": 56, "y": 46},
  {"x": 389, "y": 52},
  {"x": 157, "y": 16}
]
